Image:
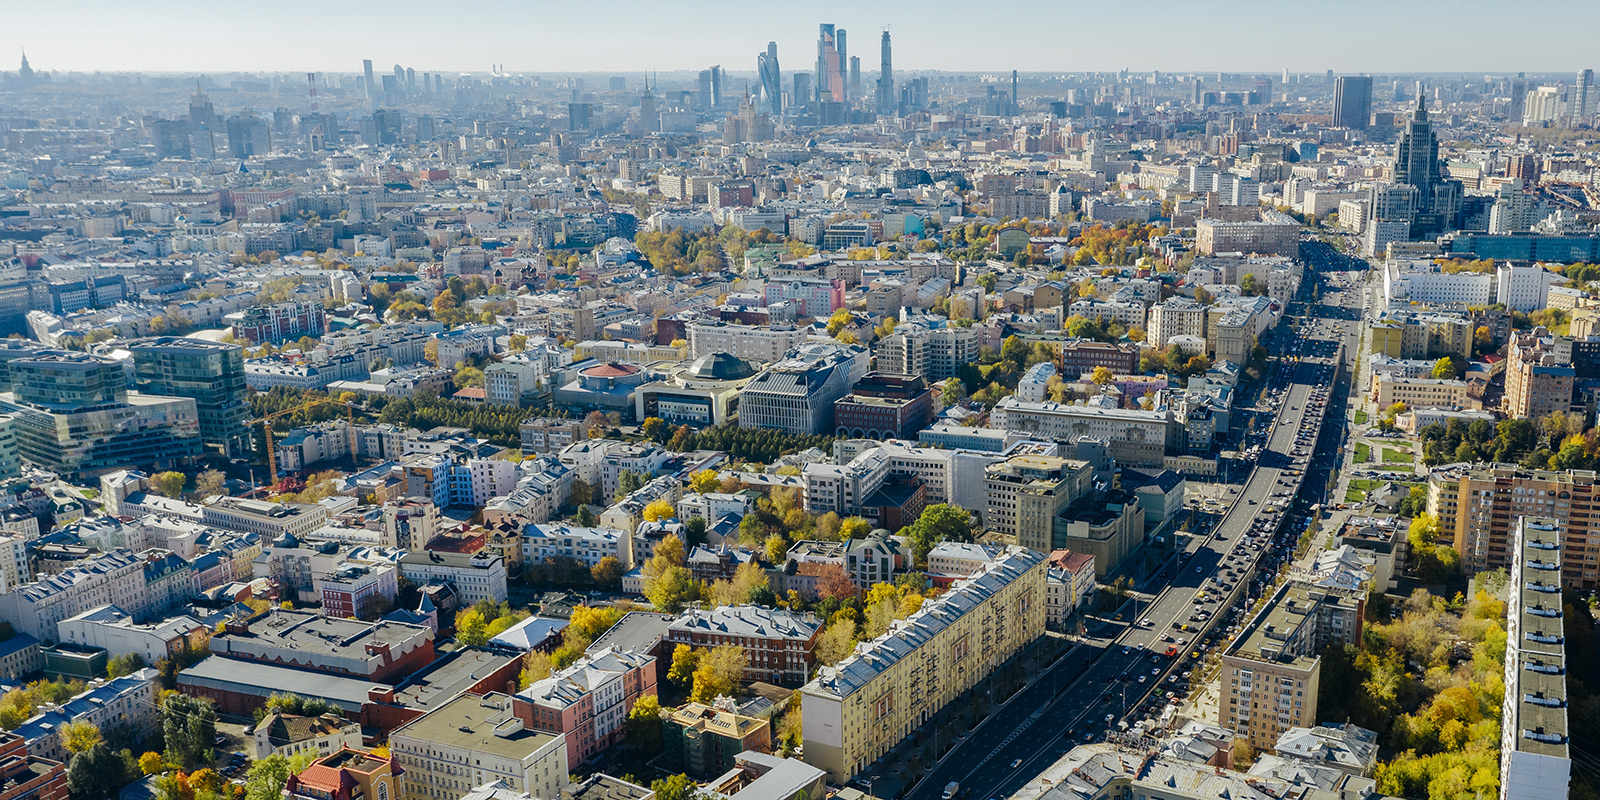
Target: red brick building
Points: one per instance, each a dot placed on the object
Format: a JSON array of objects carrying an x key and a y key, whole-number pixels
[
  {"x": 1083, "y": 355},
  {"x": 26, "y": 777},
  {"x": 884, "y": 405}
]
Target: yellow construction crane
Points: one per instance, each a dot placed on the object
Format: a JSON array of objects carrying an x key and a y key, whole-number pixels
[{"x": 266, "y": 425}]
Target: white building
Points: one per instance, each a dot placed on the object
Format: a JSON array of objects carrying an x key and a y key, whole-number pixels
[
  {"x": 113, "y": 630},
  {"x": 584, "y": 545},
  {"x": 1524, "y": 289},
  {"x": 478, "y": 576},
  {"x": 114, "y": 578},
  {"x": 765, "y": 344},
  {"x": 473, "y": 740}
]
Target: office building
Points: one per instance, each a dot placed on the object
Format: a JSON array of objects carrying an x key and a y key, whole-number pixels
[
  {"x": 855, "y": 711},
  {"x": 1136, "y": 437},
  {"x": 73, "y": 415},
  {"x": 1535, "y": 758},
  {"x": 771, "y": 78},
  {"x": 831, "y": 64},
  {"x": 474, "y": 576},
  {"x": 1352, "y": 102},
  {"x": 932, "y": 349},
  {"x": 1275, "y": 234},
  {"x": 797, "y": 395},
  {"x": 1417, "y": 163},
  {"x": 886, "y": 98},
  {"x": 211, "y": 374},
  {"x": 1026, "y": 492}
]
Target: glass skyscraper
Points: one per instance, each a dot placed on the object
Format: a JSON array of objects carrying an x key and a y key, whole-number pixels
[{"x": 211, "y": 374}]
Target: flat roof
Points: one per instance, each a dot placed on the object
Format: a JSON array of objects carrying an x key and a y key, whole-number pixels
[
  {"x": 263, "y": 680},
  {"x": 468, "y": 723},
  {"x": 449, "y": 676}
]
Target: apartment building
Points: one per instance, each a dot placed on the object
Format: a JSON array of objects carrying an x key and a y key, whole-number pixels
[
  {"x": 1176, "y": 317},
  {"x": 704, "y": 741},
  {"x": 1539, "y": 374},
  {"x": 114, "y": 578},
  {"x": 1270, "y": 672},
  {"x": 1535, "y": 762},
  {"x": 588, "y": 702},
  {"x": 777, "y": 643},
  {"x": 1274, "y": 234},
  {"x": 474, "y": 740},
  {"x": 550, "y": 434},
  {"x": 765, "y": 344},
  {"x": 933, "y": 349},
  {"x": 1478, "y": 507},
  {"x": 857, "y": 710},
  {"x": 269, "y": 520},
  {"x": 587, "y": 546}
]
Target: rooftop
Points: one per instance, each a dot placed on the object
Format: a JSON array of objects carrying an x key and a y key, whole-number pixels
[{"x": 470, "y": 722}]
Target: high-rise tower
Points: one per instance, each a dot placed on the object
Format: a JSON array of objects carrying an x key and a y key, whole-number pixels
[
  {"x": 1352, "y": 101},
  {"x": 771, "y": 77},
  {"x": 885, "y": 96},
  {"x": 1416, "y": 163},
  {"x": 830, "y": 64},
  {"x": 1581, "y": 107},
  {"x": 366, "y": 71}
]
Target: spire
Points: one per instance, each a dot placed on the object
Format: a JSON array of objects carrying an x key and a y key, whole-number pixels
[{"x": 1421, "y": 112}]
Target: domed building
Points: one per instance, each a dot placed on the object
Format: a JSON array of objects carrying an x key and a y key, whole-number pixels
[
  {"x": 706, "y": 392},
  {"x": 606, "y": 387}
]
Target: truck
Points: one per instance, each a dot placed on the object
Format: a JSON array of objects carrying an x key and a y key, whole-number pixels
[{"x": 950, "y": 790}]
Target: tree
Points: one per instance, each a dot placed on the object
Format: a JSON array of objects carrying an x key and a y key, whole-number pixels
[
  {"x": 79, "y": 736},
  {"x": 719, "y": 673},
  {"x": 267, "y": 777},
  {"x": 536, "y": 665},
  {"x": 471, "y": 629},
  {"x": 151, "y": 762},
  {"x": 939, "y": 523},
  {"x": 169, "y": 484},
  {"x": 659, "y": 510},
  {"x": 1102, "y": 376},
  {"x": 777, "y": 548},
  {"x": 833, "y": 583},
  {"x": 95, "y": 773},
  {"x": 607, "y": 573},
  {"x": 705, "y": 481},
  {"x": 854, "y": 528},
  {"x": 468, "y": 376},
  {"x": 125, "y": 664},
  {"x": 684, "y": 661},
  {"x": 210, "y": 483},
  {"x": 644, "y": 724},
  {"x": 188, "y": 726},
  {"x": 674, "y": 787},
  {"x": 582, "y": 493},
  {"x": 430, "y": 351},
  {"x": 826, "y": 528},
  {"x": 517, "y": 342},
  {"x": 836, "y": 642},
  {"x": 207, "y": 782},
  {"x": 1244, "y": 753},
  {"x": 1445, "y": 368}
]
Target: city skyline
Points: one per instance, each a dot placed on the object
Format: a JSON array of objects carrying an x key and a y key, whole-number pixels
[{"x": 184, "y": 36}]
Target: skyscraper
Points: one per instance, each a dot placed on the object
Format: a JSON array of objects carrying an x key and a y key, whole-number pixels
[
  {"x": 1352, "y": 101},
  {"x": 771, "y": 78},
  {"x": 366, "y": 71},
  {"x": 841, "y": 39},
  {"x": 210, "y": 373},
  {"x": 885, "y": 95},
  {"x": 1581, "y": 107},
  {"x": 1416, "y": 163},
  {"x": 855, "y": 77},
  {"x": 716, "y": 86},
  {"x": 830, "y": 66}
]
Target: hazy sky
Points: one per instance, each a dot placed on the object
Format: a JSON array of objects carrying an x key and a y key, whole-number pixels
[{"x": 534, "y": 36}]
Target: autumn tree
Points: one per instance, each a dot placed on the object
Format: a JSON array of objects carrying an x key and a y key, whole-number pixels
[
  {"x": 836, "y": 642},
  {"x": 607, "y": 573},
  {"x": 643, "y": 726},
  {"x": 169, "y": 484},
  {"x": 833, "y": 583},
  {"x": 471, "y": 628},
  {"x": 684, "y": 661},
  {"x": 718, "y": 673},
  {"x": 80, "y": 735},
  {"x": 659, "y": 510}
]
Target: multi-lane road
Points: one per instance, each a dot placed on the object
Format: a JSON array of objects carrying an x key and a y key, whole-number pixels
[{"x": 1105, "y": 684}]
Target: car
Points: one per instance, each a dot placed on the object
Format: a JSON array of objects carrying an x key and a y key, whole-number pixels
[
  {"x": 1016, "y": 763},
  {"x": 1141, "y": 679},
  {"x": 1110, "y": 717}
]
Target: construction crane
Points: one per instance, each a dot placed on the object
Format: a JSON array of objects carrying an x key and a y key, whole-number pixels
[{"x": 266, "y": 426}]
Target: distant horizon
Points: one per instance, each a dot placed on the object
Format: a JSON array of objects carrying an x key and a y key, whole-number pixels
[{"x": 1377, "y": 37}]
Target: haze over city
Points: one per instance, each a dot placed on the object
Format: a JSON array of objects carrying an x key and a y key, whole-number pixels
[{"x": 843, "y": 401}]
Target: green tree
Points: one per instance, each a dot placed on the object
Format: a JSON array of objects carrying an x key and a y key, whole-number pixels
[
  {"x": 188, "y": 726},
  {"x": 644, "y": 724},
  {"x": 939, "y": 523},
  {"x": 674, "y": 787},
  {"x": 95, "y": 773},
  {"x": 267, "y": 777},
  {"x": 125, "y": 664}
]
